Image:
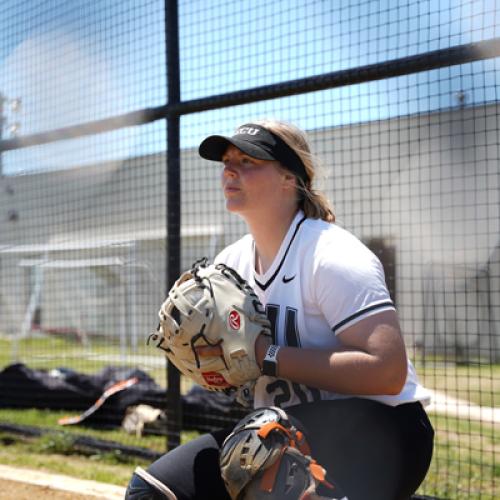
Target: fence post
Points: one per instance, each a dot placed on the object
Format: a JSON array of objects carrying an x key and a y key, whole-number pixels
[{"x": 173, "y": 256}]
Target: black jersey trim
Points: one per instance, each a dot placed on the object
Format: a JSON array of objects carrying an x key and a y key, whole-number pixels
[
  {"x": 361, "y": 312},
  {"x": 264, "y": 286}
]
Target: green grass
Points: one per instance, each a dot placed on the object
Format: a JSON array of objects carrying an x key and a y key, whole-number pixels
[
  {"x": 57, "y": 452},
  {"x": 47, "y": 352},
  {"x": 47, "y": 420},
  {"x": 54, "y": 456},
  {"x": 477, "y": 383},
  {"x": 464, "y": 465}
]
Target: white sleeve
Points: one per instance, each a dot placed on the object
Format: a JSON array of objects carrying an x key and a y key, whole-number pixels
[
  {"x": 236, "y": 255},
  {"x": 223, "y": 256},
  {"x": 350, "y": 287}
]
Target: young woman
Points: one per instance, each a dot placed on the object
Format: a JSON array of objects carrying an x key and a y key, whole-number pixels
[{"x": 337, "y": 361}]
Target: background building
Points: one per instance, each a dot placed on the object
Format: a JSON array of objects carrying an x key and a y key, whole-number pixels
[{"x": 83, "y": 250}]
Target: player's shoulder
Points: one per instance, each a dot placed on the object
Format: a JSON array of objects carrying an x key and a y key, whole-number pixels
[
  {"x": 236, "y": 251},
  {"x": 332, "y": 237},
  {"x": 332, "y": 246}
]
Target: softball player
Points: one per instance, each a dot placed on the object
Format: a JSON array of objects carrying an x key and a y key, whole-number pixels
[{"x": 337, "y": 360}]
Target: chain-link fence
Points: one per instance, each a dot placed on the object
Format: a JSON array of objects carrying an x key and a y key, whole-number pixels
[{"x": 104, "y": 200}]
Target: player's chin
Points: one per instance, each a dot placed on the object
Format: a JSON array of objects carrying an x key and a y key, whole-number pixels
[{"x": 234, "y": 204}]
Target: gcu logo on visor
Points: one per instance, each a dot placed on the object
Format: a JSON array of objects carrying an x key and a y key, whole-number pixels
[{"x": 247, "y": 131}]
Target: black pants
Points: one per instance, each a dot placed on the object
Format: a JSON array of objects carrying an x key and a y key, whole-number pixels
[{"x": 373, "y": 451}]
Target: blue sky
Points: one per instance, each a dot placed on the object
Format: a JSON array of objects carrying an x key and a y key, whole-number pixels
[{"x": 74, "y": 61}]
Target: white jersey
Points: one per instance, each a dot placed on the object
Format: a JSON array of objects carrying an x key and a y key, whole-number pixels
[{"x": 322, "y": 280}]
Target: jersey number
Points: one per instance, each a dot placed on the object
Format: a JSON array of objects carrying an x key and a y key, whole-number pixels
[
  {"x": 291, "y": 331},
  {"x": 282, "y": 388}
]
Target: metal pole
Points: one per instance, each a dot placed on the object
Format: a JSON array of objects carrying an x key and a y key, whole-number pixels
[
  {"x": 2, "y": 123},
  {"x": 174, "y": 401},
  {"x": 442, "y": 58}
]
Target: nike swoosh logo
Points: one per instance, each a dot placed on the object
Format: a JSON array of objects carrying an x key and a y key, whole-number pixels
[{"x": 287, "y": 280}]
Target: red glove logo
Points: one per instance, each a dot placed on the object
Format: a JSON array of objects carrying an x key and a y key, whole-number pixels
[
  {"x": 234, "y": 320},
  {"x": 215, "y": 379}
]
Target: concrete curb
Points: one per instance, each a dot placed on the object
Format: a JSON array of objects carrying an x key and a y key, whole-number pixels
[
  {"x": 445, "y": 405},
  {"x": 64, "y": 483}
]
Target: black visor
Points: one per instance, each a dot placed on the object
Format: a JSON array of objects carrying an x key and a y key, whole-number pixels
[{"x": 257, "y": 142}]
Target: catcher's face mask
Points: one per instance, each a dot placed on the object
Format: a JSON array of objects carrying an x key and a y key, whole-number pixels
[{"x": 258, "y": 142}]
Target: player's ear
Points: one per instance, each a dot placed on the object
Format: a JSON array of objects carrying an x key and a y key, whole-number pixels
[{"x": 289, "y": 181}]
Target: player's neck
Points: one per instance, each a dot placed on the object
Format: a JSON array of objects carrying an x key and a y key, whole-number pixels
[{"x": 268, "y": 235}]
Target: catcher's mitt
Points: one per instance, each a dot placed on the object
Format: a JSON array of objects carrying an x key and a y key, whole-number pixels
[
  {"x": 267, "y": 457},
  {"x": 211, "y": 305}
]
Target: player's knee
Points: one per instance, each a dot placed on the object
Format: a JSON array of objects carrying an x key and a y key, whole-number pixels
[
  {"x": 139, "y": 489},
  {"x": 144, "y": 486}
]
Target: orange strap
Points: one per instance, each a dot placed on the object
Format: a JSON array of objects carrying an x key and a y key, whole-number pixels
[
  {"x": 264, "y": 431},
  {"x": 302, "y": 444},
  {"x": 269, "y": 476},
  {"x": 297, "y": 440},
  {"x": 319, "y": 474}
]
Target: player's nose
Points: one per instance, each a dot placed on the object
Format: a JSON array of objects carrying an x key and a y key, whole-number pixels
[{"x": 230, "y": 169}]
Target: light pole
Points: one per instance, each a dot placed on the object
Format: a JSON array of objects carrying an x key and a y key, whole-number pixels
[
  {"x": 2, "y": 123},
  {"x": 15, "y": 105}
]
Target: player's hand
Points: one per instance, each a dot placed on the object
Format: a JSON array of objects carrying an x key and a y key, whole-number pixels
[
  {"x": 209, "y": 351},
  {"x": 261, "y": 345}
]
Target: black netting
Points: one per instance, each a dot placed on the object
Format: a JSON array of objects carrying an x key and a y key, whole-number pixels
[{"x": 103, "y": 197}]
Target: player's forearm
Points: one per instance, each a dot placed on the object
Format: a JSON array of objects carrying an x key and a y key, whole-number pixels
[{"x": 347, "y": 371}]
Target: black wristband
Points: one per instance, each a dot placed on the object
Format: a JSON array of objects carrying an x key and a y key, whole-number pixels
[{"x": 270, "y": 362}]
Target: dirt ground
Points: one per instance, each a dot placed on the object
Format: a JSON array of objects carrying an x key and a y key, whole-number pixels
[
  {"x": 33, "y": 484},
  {"x": 16, "y": 490}
]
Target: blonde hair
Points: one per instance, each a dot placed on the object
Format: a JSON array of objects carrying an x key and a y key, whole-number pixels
[{"x": 313, "y": 203}]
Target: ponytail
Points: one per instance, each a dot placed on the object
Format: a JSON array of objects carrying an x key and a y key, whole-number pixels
[{"x": 313, "y": 203}]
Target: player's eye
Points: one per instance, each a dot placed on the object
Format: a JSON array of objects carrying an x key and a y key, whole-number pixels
[{"x": 246, "y": 161}]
